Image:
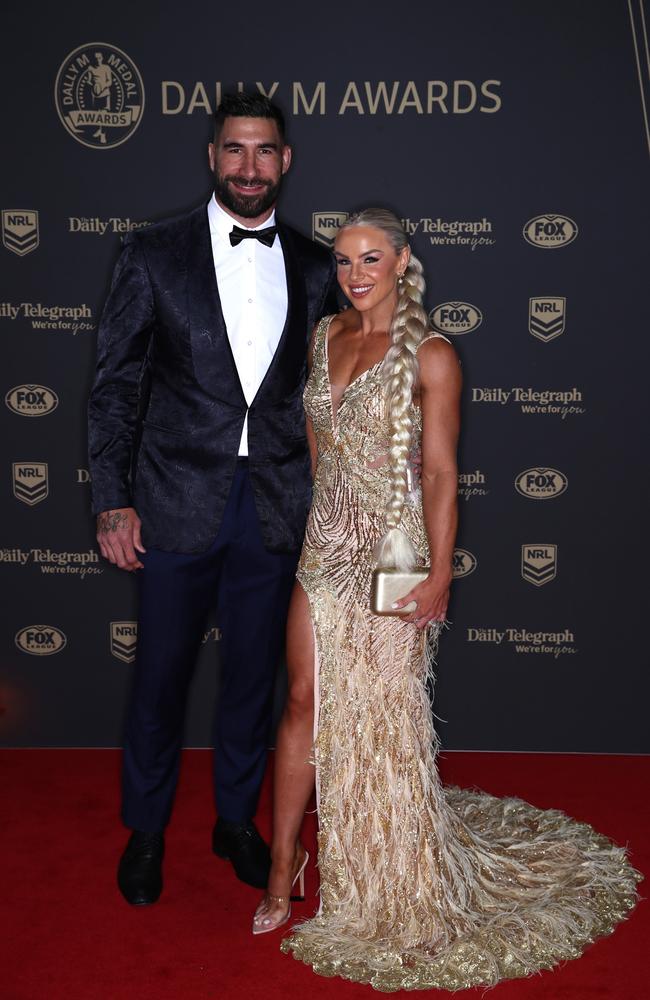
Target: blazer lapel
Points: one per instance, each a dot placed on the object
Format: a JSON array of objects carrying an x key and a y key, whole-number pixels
[
  {"x": 291, "y": 352},
  {"x": 212, "y": 357}
]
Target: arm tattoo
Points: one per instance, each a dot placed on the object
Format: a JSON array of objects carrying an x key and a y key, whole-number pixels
[{"x": 111, "y": 522}]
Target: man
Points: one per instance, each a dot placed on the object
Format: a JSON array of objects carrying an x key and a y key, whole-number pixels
[
  {"x": 100, "y": 78},
  {"x": 200, "y": 473}
]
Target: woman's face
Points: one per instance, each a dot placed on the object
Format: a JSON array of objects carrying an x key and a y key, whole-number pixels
[{"x": 367, "y": 266}]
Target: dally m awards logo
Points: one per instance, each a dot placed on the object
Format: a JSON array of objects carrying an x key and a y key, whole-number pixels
[
  {"x": 550, "y": 231},
  {"x": 546, "y": 315},
  {"x": 30, "y": 481},
  {"x": 20, "y": 230},
  {"x": 463, "y": 563},
  {"x": 325, "y": 226},
  {"x": 124, "y": 638},
  {"x": 40, "y": 640},
  {"x": 99, "y": 95},
  {"x": 455, "y": 318},
  {"x": 31, "y": 400},
  {"x": 539, "y": 563},
  {"x": 541, "y": 484}
]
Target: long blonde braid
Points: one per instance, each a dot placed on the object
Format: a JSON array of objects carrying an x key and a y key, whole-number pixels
[{"x": 400, "y": 373}]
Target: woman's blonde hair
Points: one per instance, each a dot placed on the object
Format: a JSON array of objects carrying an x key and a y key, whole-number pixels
[{"x": 400, "y": 373}]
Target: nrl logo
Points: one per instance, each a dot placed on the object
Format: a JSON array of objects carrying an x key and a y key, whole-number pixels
[
  {"x": 124, "y": 638},
  {"x": 538, "y": 563},
  {"x": 40, "y": 640},
  {"x": 550, "y": 231},
  {"x": 30, "y": 482},
  {"x": 546, "y": 317},
  {"x": 325, "y": 226},
  {"x": 541, "y": 484},
  {"x": 20, "y": 230},
  {"x": 463, "y": 563}
]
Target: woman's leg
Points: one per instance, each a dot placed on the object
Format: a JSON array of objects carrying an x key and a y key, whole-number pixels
[{"x": 293, "y": 776}]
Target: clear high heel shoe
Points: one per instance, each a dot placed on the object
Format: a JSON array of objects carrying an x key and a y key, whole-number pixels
[{"x": 265, "y": 924}]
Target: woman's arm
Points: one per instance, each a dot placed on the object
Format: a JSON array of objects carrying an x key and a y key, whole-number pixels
[
  {"x": 313, "y": 448},
  {"x": 440, "y": 385}
]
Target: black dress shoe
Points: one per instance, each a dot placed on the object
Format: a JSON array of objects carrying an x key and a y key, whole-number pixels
[
  {"x": 139, "y": 875},
  {"x": 242, "y": 844}
]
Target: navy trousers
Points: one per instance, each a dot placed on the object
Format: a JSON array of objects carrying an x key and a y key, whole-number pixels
[{"x": 250, "y": 588}]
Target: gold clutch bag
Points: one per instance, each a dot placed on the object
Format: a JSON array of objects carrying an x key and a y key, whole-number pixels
[{"x": 390, "y": 585}]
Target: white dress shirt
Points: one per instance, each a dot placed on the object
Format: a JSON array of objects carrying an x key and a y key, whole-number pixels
[{"x": 252, "y": 286}]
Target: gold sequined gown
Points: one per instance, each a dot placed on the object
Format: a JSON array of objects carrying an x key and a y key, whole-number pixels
[{"x": 421, "y": 886}]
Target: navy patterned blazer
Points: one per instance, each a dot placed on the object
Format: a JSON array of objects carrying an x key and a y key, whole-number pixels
[{"x": 167, "y": 408}]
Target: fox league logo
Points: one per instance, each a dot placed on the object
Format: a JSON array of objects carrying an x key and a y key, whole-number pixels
[
  {"x": 325, "y": 226},
  {"x": 463, "y": 563},
  {"x": 124, "y": 638},
  {"x": 40, "y": 640},
  {"x": 550, "y": 231},
  {"x": 20, "y": 230},
  {"x": 99, "y": 95},
  {"x": 546, "y": 317},
  {"x": 539, "y": 562},
  {"x": 541, "y": 483},
  {"x": 30, "y": 482},
  {"x": 455, "y": 318},
  {"x": 31, "y": 400}
]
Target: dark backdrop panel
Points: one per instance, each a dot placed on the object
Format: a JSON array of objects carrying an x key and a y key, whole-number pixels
[{"x": 470, "y": 120}]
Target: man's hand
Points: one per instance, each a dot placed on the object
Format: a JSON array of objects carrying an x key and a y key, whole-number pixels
[{"x": 118, "y": 535}]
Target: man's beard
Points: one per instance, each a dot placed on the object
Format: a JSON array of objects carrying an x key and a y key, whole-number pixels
[{"x": 251, "y": 207}]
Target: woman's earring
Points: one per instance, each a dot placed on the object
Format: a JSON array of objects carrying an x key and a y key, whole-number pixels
[{"x": 400, "y": 279}]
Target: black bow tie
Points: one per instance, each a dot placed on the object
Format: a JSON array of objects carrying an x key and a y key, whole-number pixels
[{"x": 265, "y": 236}]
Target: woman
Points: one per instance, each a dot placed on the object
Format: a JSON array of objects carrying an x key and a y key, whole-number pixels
[{"x": 420, "y": 886}]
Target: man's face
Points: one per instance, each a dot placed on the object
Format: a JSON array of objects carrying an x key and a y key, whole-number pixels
[{"x": 248, "y": 160}]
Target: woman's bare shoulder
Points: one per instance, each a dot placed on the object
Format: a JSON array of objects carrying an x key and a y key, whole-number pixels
[
  {"x": 346, "y": 320},
  {"x": 438, "y": 361}
]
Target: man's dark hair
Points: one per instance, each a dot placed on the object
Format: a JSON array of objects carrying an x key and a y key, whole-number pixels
[{"x": 247, "y": 106}]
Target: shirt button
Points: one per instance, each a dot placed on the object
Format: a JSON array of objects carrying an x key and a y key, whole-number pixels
[
  {"x": 250, "y": 343},
  {"x": 250, "y": 300},
  {"x": 250, "y": 260}
]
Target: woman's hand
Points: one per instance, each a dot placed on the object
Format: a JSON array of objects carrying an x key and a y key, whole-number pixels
[{"x": 431, "y": 597}]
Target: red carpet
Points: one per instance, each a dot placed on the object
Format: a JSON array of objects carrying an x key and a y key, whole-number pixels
[{"x": 66, "y": 933}]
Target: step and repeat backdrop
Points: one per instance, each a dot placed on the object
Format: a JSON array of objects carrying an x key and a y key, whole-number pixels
[{"x": 512, "y": 139}]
